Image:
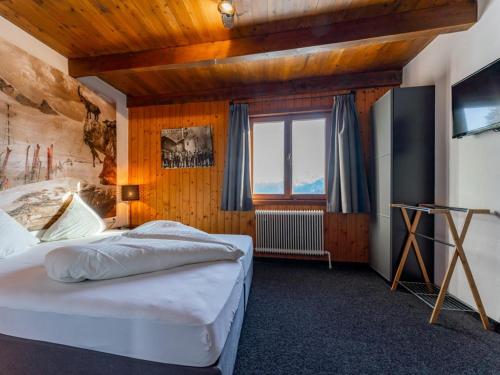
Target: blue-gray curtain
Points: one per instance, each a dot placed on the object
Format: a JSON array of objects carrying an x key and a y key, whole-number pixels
[
  {"x": 346, "y": 181},
  {"x": 236, "y": 191}
]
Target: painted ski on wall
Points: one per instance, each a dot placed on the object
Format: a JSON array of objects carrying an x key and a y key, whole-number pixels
[{"x": 56, "y": 136}]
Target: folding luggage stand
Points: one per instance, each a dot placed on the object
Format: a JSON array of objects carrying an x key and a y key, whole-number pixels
[{"x": 426, "y": 294}]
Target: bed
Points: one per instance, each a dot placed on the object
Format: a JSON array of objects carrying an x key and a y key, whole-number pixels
[{"x": 185, "y": 320}]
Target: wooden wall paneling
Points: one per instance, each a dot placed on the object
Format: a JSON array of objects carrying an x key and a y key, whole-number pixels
[
  {"x": 163, "y": 198},
  {"x": 157, "y": 194},
  {"x": 154, "y": 140},
  {"x": 144, "y": 166},
  {"x": 143, "y": 171},
  {"x": 207, "y": 173},
  {"x": 169, "y": 185},
  {"x": 176, "y": 173},
  {"x": 140, "y": 160},
  {"x": 154, "y": 152},
  {"x": 181, "y": 192},
  {"x": 133, "y": 160},
  {"x": 184, "y": 183},
  {"x": 148, "y": 166},
  {"x": 191, "y": 178},
  {"x": 211, "y": 208},
  {"x": 181, "y": 173},
  {"x": 140, "y": 169},
  {"x": 160, "y": 180},
  {"x": 354, "y": 246},
  {"x": 150, "y": 163},
  {"x": 133, "y": 147},
  {"x": 339, "y": 252},
  {"x": 201, "y": 200},
  {"x": 195, "y": 179},
  {"x": 219, "y": 154},
  {"x": 213, "y": 177},
  {"x": 173, "y": 175},
  {"x": 193, "y": 195},
  {"x": 224, "y": 219},
  {"x": 160, "y": 207},
  {"x": 156, "y": 157},
  {"x": 332, "y": 224}
]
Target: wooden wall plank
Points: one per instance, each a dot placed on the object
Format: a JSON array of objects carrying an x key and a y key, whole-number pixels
[
  {"x": 192, "y": 195},
  {"x": 132, "y": 144}
]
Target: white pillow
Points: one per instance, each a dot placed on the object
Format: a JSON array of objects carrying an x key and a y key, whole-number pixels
[
  {"x": 77, "y": 221},
  {"x": 14, "y": 238}
]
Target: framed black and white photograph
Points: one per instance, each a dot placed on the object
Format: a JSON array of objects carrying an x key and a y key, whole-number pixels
[{"x": 187, "y": 147}]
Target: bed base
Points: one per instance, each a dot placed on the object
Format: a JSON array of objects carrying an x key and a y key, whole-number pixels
[{"x": 31, "y": 357}]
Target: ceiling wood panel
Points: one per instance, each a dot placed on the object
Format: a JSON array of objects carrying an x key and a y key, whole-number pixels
[
  {"x": 400, "y": 26},
  {"x": 392, "y": 55},
  {"x": 77, "y": 28},
  {"x": 82, "y": 29},
  {"x": 277, "y": 88}
]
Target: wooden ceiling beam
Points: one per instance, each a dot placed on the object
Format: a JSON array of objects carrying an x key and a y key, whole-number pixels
[
  {"x": 268, "y": 89},
  {"x": 457, "y": 15}
]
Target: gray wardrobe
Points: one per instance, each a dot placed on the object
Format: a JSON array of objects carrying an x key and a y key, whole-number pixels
[{"x": 402, "y": 171}]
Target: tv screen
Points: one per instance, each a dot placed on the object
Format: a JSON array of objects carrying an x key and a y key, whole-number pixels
[{"x": 476, "y": 102}]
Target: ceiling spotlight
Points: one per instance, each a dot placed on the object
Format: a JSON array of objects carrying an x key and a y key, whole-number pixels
[
  {"x": 227, "y": 11},
  {"x": 226, "y": 7}
]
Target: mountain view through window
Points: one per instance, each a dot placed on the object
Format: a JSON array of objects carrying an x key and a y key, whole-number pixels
[{"x": 289, "y": 156}]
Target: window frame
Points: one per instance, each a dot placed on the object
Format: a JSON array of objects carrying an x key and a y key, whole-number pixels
[{"x": 288, "y": 197}]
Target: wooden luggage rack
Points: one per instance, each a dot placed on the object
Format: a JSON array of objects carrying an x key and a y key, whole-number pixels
[{"x": 427, "y": 292}]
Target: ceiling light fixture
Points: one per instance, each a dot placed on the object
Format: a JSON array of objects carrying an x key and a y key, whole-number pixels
[{"x": 227, "y": 11}]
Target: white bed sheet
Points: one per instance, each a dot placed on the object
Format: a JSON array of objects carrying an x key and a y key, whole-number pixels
[{"x": 179, "y": 316}]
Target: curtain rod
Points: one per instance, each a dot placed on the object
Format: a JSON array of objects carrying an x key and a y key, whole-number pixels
[{"x": 330, "y": 94}]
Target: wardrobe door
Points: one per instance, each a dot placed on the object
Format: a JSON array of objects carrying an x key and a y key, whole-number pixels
[
  {"x": 380, "y": 235},
  {"x": 413, "y": 171}
]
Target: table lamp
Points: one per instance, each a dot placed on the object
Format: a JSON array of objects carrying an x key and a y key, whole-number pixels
[{"x": 130, "y": 193}]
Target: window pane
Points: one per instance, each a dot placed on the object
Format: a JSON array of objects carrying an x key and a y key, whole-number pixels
[
  {"x": 308, "y": 156},
  {"x": 268, "y": 157}
]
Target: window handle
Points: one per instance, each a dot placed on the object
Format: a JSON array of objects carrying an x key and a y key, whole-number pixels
[{"x": 289, "y": 156}]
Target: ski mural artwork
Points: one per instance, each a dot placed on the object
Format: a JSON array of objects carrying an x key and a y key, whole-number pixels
[{"x": 56, "y": 137}]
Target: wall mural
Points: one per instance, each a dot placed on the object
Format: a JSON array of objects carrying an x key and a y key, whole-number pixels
[{"x": 56, "y": 136}]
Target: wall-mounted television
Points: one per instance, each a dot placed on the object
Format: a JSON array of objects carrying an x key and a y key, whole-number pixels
[{"x": 476, "y": 102}]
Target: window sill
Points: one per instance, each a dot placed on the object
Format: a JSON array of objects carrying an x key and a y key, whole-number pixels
[{"x": 289, "y": 202}]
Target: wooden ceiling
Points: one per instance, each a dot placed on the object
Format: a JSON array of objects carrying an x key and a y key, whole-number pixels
[{"x": 165, "y": 51}]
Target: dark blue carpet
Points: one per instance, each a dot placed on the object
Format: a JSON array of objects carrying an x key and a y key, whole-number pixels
[{"x": 304, "y": 319}]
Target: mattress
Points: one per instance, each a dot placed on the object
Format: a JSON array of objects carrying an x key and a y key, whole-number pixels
[{"x": 180, "y": 316}]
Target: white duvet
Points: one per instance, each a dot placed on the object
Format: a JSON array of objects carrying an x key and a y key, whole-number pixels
[
  {"x": 155, "y": 246},
  {"x": 173, "y": 230}
]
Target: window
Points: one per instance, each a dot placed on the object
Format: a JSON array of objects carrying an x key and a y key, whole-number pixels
[
  {"x": 289, "y": 157},
  {"x": 269, "y": 157}
]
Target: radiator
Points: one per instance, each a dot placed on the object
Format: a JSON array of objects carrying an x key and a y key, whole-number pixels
[{"x": 290, "y": 232}]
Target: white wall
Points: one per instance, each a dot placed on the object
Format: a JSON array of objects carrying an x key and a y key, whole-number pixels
[
  {"x": 25, "y": 41},
  {"x": 467, "y": 169}
]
